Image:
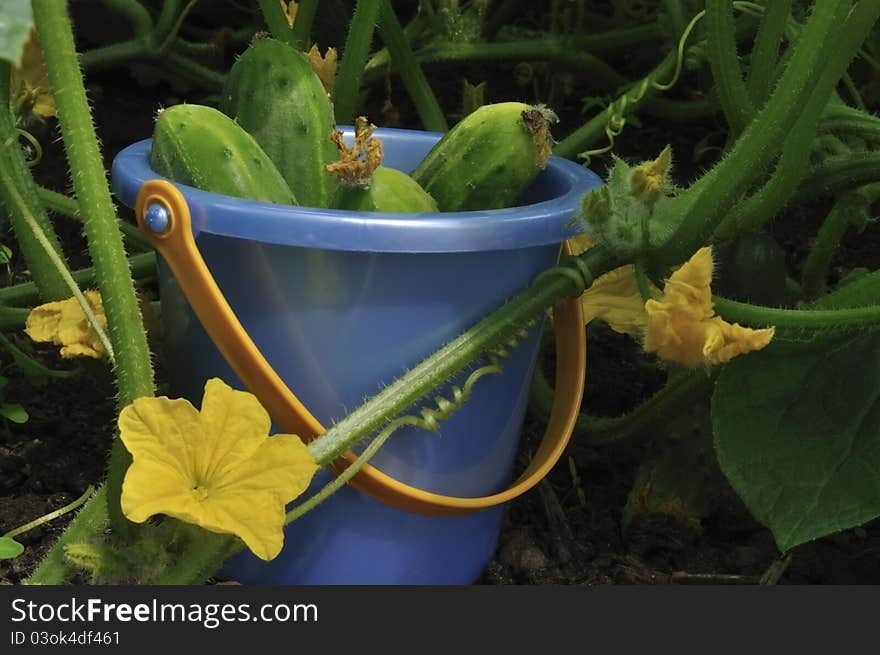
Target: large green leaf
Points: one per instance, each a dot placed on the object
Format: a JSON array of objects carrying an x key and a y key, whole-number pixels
[
  {"x": 15, "y": 25},
  {"x": 797, "y": 433}
]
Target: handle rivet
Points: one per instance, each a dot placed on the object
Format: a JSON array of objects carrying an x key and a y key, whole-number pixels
[{"x": 157, "y": 217}]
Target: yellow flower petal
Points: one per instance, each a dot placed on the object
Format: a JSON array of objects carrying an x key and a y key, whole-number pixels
[
  {"x": 324, "y": 66},
  {"x": 580, "y": 244},
  {"x": 290, "y": 9},
  {"x": 30, "y": 82},
  {"x": 615, "y": 298},
  {"x": 689, "y": 288},
  {"x": 233, "y": 425},
  {"x": 279, "y": 471},
  {"x": 682, "y": 326},
  {"x": 217, "y": 468},
  {"x": 675, "y": 335},
  {"x": 727, "y": 341},
  {"x": 65, "y": 324}
]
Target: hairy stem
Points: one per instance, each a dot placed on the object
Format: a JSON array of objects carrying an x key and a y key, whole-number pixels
[
  {"x": 277, "y": 22},
  {"x": 848, "y": 207},
  {"x": 721, "y": 42},
  {"x": 765, "y": 53},
  {"x": 354, "y": 56},
  {"x": 798, "y": 320},
  {"x": 67, "y": 206},
  {"x": 133, "y": 367},
  {"x": 832, "y": 36},
  {"x": 21, "y": 185},
  {"x": 839, "y": 173},
  {"x": 26, "y": 294},
  {"x": 410, "y": 72},
  {"x": 457, "y": 354},
  {"x": 302, "y": 25},
  {"x": 90, "y": 521},
  {"x": 133, "y": 12}
]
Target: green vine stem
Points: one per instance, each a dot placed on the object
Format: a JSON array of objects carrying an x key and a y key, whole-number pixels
[
  {"x": 841, "y": 119},
  {"x": 680, "y": 393},
  {"x": 133, "y": 367},
  {"x": 152, "y": 43},
  {"x": 61, "y": 511},
  {"x": 167, "y": 18},
  {"x": 277, "y": 22},
  {"x": 827, "y": 43},
  {"x": 790, "y": 169},
  {"x": 794, "y": 322},
  {"x": 765, "y": 52},
  {"x": 21, "y": 183},
  {"x": 351, "y": 69},
  {"x": 556, "y": 48},
  {"x": 723, "y": 60},
  {"x": 302, "y": 25},
  {"x": 675, "y": 16},
  {"x": 134, "y": 13},
  {"x": 378, "y": 62},
  {"x": 493, "y": 331},
  {"x": 25, "y": 295},
  {"x": 13, "y": 318},
  {"x": 410, "y": 72},
  {"x": 839, "y": 173},
  {"x": 793, "y": 163},
  {"x": 67, "y": 206},
  {"x": 557, "y": 51},
  {"x": 849, "y": 208},
  {"x": 90, "y": 521}
]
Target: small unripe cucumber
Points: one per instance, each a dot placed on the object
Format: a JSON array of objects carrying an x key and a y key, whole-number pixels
[
  {"x": 204, "y": 148},
  {"x": 488, "y": 159},
  {"x": 274, "y": 94},
  {"x": 390, "y": 190}
]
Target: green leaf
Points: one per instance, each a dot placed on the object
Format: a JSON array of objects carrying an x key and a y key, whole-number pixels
[
  {"x": 10, "y": 548},
  {"x": 15, "y": 26},
  {"x": 14, "y": 412},
  {"x": 797, "y": 433}
]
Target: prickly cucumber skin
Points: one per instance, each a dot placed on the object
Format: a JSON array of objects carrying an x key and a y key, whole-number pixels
[
  {"x": 274, "y": 94},
  {"x": 487, "y": 160},
  {"x": 390, "y": 190},
  {"x": 202, "y": 147}
]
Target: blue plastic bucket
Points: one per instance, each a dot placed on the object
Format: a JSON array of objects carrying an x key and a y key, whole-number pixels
[{"x": 341, "y": 303}]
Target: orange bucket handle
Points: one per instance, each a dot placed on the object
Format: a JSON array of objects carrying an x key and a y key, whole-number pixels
[{"x": 172, "y": 237}]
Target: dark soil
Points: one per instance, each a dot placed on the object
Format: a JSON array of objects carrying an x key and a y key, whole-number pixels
[{"x": 550, "y": 535}]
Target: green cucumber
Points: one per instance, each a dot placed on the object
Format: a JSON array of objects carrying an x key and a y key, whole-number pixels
[
  {"x": 751, "y": 268},
  {"x": 390, "y": 190},
  {"x": 274, "y": 94},
  {"x": 202, "y": 147},
  {"x": 489, "y": 158}
]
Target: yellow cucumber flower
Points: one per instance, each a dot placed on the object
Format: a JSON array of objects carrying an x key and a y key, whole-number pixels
[
  {"x": 682, "y": 326},
  {"x": 216, "y": 468},
  {"x": 30, "y": 92},
  {"x": 65, "y": 324},
  {"x": 613, "y": 297}
]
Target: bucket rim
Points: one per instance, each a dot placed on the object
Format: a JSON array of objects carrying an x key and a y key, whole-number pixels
[{"x": 538, "y": 224}]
